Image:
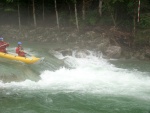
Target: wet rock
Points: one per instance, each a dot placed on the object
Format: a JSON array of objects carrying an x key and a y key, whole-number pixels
[
  {"x": 138, "y": 55},
  {"x": 102, "y": 44},
  {"x": 147, "y": 53},
  {"x": 127, "y": 54},
  {"x": 98, "y": 39},
  {"x": 90, "y": 35},
  {"x": 66, "y": 52},
  {"x": 82, "y": 53},
  {"x": 142, "y": 56},
  {"x": 113, "y": 52}
]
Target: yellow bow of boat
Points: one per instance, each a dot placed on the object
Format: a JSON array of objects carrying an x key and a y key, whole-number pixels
[{"x": 28, "y": 60}]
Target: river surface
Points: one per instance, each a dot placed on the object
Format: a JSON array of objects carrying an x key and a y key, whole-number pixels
[{"x": 67, "y": 84}]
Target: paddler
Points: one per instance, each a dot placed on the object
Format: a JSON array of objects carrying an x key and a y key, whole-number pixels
[
  {"x": 19, "y": 50},
  {"x": 3, "y": 45}
]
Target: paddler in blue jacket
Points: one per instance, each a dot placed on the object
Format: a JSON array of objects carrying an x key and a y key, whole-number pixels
[{"x": 3, "y": 45}]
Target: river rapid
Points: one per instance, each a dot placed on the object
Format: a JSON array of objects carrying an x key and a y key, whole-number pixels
[{"x": 70, "y": 84}]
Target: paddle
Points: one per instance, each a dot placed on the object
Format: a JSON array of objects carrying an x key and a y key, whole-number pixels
[{"x": 28, "y": 54}]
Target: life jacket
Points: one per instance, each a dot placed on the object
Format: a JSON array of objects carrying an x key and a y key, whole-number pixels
[
  {"x": 20, "y": 52},
  {"x": 3, "y": 46}
]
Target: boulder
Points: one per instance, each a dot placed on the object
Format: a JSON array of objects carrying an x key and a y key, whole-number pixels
[
  {"x": 66, "y": 52},
  {"x": 102, "y": 45},
  {"x": 113, "y": 52},
  {"x": 81, "y": 53},
  {"x": 147, "y": 53}
]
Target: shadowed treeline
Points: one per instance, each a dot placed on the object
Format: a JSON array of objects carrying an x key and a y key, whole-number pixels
[{"x": 75, "y": 13}]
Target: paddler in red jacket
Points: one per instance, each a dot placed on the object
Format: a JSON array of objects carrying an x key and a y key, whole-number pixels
[
  {"x": 19, "y": 50},
  {"x": 3, "y": 45}
]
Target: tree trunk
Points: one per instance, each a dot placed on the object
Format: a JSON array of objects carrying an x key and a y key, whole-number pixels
[
  {"x": 19, "y": 20},
  {"x": 139, "y": 11},
  {"x": 83, "y": 10},
  {"x": 76, "y": 16},
  {"x": 134, "y": 19},
  {"x": 34, "y": 16},
  {"x": 43, "y": 11},
  {"x": 113, "y": 18},
  {"x": 134, "y": 25},
  {"x": 112, "y": 15},
  {"x": 56, "y": 14},
  {"x": 100, "y": 7},
  {"x": 69, "y": 12},
  {"x": 29, "y": 12}
]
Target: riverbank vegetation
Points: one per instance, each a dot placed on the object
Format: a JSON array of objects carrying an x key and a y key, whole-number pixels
[{"x": 125, "y": 23}]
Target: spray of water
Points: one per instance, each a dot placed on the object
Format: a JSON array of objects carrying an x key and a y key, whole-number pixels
[{"x": 90, "y": 74}]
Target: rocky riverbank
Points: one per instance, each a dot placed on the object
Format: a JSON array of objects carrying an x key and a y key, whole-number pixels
[{"x": 112, "y": 42}]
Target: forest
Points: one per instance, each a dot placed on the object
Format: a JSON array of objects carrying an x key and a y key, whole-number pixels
[{"x": 132, "y": 16}]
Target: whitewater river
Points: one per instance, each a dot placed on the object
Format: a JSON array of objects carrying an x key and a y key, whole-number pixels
[{"x": 67, "y": 84}]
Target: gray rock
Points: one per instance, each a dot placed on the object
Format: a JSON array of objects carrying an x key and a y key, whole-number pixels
[
  {"x": 82, "y": 53},
  {"x": 66, "y": 52},
  {"x": 113, "y": 52},
  {"x": 103, "y": 45},
  {"x": 147, "y": 53}
]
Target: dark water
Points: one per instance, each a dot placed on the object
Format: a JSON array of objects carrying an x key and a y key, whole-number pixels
[{"x": 73, "y": 85}]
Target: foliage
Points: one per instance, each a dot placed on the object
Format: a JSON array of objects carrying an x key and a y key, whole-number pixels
[
  {"x": 142, "y": 37},
  {"x": 122, "y": 10},
  {"x": 105, "y": 21},
  {"x": 9, "y": 0},
  {"x": 63, "y": 18},
  {"x": 145, "y": 21},
  {"x": 9, "y": 10},
  {"x": 114, "y": 12},
  {"x": 92, "y": 18}
]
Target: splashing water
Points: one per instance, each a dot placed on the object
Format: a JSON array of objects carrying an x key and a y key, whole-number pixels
[{"x": 92, "y": 75}]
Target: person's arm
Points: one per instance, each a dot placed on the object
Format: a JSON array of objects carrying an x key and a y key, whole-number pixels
[
  {"x": 6, "y": 44},
  {"x": 17, "y": 50}
]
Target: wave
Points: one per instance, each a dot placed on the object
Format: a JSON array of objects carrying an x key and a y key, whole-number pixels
[{"x": 91, "y": 74}]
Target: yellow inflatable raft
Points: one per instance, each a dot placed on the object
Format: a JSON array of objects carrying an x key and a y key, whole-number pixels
[{"x": 28, "y": 60}]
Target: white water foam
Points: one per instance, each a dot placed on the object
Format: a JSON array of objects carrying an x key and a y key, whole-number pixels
[{"x": 89, "y": 75}]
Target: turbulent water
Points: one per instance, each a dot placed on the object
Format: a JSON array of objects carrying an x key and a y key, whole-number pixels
[{"x": 67, "y": 84}]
